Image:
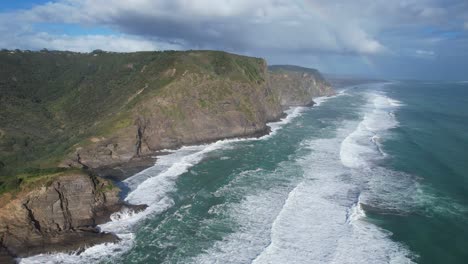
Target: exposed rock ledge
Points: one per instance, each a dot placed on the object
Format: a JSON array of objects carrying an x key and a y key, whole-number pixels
[{"x": 62, "y": 215}]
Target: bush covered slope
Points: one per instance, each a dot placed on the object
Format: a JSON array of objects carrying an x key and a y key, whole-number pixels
[
  {"x": 55, "y": 102},
  {"x": 62, "y": 110}
]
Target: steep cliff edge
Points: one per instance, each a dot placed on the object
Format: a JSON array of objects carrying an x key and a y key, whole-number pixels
[
  {"x": 232, "y": 100},
  {"x": 214, "y": 107},
  {"x": 57, "y": 213},
  {"x": 297, "y": 86}
]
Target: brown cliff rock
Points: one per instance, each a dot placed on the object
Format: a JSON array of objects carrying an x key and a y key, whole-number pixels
[{"x": 57, "y": 214}]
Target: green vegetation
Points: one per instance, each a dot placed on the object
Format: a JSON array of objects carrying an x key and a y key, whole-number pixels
[
  {"x": 106, "y": 187},
  {"x": 296, "y": 69},
  {"x": 32, "y": 177},
  {"x": 291, "y": 68},
  {"x": 52, "y": 101},
  {"x": 234, "y": 67}
]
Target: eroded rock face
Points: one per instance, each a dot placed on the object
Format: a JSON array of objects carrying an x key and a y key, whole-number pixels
[
  {"x": 297, "y": 86},
  {"x": 195, "y": 108},
  {"x": 59, "y": 217}
]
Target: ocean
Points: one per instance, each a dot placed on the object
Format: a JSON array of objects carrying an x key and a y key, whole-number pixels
[{"x": 375, "y": 174}]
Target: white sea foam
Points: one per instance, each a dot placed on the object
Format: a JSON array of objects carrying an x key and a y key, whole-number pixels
[
  {"x": 253, "y": 215},
  {"x": 388, "y": 190},
  {"x": 320, "y": 100},
  {"x": 363, "y": 144},
  {"x": 322, "y": 220},
  {"x": 291, "y": 114},
  {"x": 355, "y": 213},
  {"x": 294, "y": 112},
  {"x": 91, "y": 255}
]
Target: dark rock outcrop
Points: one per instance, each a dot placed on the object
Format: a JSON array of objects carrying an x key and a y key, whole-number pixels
[
  {"x": 6, "y": 257},
  {"x": 58, "y": 214}
]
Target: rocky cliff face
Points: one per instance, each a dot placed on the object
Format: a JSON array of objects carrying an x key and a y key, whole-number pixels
[
  {"x": 297, "y": 86},
  {"x": 102, "y": 109},
  {"x": 57, "y": 214},
  {"x": 195, "y": 107}
]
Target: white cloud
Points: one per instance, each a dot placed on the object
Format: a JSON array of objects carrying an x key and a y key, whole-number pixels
[
  {"x": 241, "y": 25},
  {"x": 275, "y": 26},
  {"x": 86, "y": 43}
]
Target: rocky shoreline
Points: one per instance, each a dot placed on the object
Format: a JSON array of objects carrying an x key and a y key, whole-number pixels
[
  {"x": 122, "y": 171},
  {"x": 58, "y": 214},
  {"x": 77, "y": 237}
]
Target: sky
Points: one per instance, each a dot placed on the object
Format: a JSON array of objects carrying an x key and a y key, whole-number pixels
[{"x": 405, "y": 39}]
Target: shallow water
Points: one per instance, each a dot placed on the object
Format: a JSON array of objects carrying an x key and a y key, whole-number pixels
[{"x": 376, "y": 174}]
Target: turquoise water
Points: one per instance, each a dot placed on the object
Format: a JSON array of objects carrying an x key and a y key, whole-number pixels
[
  {"x": 376, "y": 174},
  {"x": 431, "y": 144}
]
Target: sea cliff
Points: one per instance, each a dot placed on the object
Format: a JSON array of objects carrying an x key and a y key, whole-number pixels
[
  {"x": 297, "y": 86},
  {"x": 67, "y": 117},
  {"x": 58, "y": 212}
]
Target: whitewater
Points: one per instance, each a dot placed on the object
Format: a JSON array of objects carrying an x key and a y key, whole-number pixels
[{"x": 297, "y": 195}]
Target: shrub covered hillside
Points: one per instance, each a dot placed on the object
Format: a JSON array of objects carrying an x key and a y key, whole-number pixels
[{"x": 66, "y": 108}]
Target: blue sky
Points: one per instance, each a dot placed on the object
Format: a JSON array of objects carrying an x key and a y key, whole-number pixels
[
  {"x": 11, "y": 5},
  {"x": 417, "y": 39}
]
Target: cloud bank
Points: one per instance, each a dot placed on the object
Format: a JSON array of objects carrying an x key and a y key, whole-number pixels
[{"x": 271, "y": 28}]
